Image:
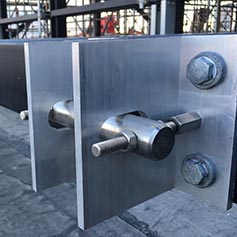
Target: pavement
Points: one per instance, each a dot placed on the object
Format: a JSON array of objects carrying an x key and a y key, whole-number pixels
[{"x": 53, "y": 212}]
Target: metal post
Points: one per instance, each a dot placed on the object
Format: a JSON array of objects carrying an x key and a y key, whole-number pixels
[
  {"x": 163, "y": 9},
  {"x": 125, "y": 22},
  {"x": 167, "y": 16},
  {"x": 96, "y": 22},
  {"x": 58, "y": 24},
  {"x": 39, "y": 17},
  {"x": 153, "y": 19},
  {"x": 207, "y": 14},
  {"x": 218, "y": 15}
]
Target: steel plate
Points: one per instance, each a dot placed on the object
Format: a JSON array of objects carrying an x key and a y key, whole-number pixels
[
  {"x": 49, "y": 80},
  {"x": 111, "y": 78},
  {"x": 217, "y": 106},
  {"x": 149, "y": 74}
]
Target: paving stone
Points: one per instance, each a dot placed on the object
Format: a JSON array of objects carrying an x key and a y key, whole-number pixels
[
  {"x": 14, "y": 131},
  {"x": 22, "y": 172},
  {"x": 12, "y": 161},
  {"x": 178, "y": 212},
  {"x": 15, "y": 164},
  {"x": 63, "y": 198},
  {"x": 6, "y": 151},
  {"x": 10, "y": 189},
  {"x": 113, "y": 227},
  {"x": 25, "y": 213}
]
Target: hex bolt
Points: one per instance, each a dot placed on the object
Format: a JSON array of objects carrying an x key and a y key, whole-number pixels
[
  {"x": 199, "y": 170},
  {"x": 125, "y": 141},
  {"x": 24, "y": 115},
  {"x": 206, "y": 70},
  {"x": 194, "y": 172}
]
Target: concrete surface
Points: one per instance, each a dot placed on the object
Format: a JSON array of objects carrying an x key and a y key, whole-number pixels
[{"x": 53, "y": 212}]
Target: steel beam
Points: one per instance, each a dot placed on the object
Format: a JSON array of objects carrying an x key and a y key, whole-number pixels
[
  {"x": 25, "y": 18},
  {"x": 96, "y": 22}
]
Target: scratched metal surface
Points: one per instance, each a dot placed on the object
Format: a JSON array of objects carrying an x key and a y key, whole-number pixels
[
  {"x": 13, "y": 78},
  {"x": 111, "y": 78},
  {"x": 217, "y": 106},
  {"x": 49, "y": 80}
]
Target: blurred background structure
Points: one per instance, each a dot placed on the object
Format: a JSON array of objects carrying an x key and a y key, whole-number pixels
[{"x": 93, "y": 18}]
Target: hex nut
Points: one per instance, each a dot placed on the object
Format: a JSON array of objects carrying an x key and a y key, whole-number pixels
[
  {"x": 199, "y": 170},
  {"x": 206, "y": 70},
  {"x": 186, "y": 122},
  {"x": 132, "y": 139}
]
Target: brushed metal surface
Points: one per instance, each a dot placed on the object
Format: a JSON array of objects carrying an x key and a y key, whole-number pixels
[
  {"x": 13, "y": 78},
  {"x": 62, "y": 114},
  {"x": 118, "y": 76},
  {"x": 150, "y": 75},
  {"x": 217, "y": 107},
  {"x": 13, "y": 94},
  {"x": 49, "y": 80},
  {"x": 111, "y": 78}
]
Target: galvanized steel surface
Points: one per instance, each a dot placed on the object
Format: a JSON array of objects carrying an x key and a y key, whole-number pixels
[
  {"x": 217, "y": 107},
  {"x": 149, "y": 75},
  {"x": 115, "y": 77},
  {"x": 111, "y": 78},
  {"x": 13, "y": 78},
  {"x": 49, "y": 80}
]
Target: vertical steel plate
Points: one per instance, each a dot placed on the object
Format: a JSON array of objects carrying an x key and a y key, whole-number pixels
[
  {"x": 217, "y": 106},
  {"x": 149, "y": 75},
  {"x": 49, "y": 80},
  {"x": 13, "y": 78},
  {"x": 111, "y": 78}
]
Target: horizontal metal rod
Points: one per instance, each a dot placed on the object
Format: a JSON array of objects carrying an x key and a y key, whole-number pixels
[
  {"x": 25, "y": 18},
  {"x": 109, "y": 146},
  {"x": 24, "y": 115}
]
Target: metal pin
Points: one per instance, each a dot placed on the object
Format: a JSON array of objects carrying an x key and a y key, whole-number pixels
[{"x": 24, "y": 115}]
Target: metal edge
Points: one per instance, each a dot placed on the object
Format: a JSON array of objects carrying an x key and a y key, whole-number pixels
[
  {"x": 29, "y": 99},
  {"x": 78, "y": 136}
]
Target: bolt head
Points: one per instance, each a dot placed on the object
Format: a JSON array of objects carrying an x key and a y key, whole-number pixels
[
  {"x": 199, "y": 170},
  {"x": 206, "y": 70},
  {"x": 194, "y": 172},
  {"x": 200, "y": 70}
]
